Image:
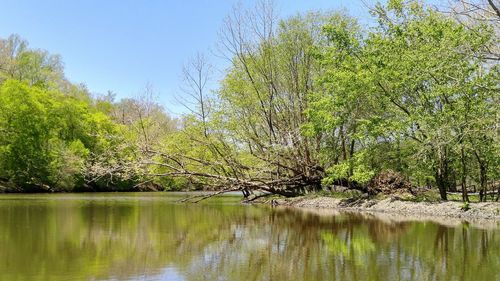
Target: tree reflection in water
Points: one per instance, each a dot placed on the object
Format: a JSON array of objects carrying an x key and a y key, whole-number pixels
[{"x": 150, "y": 237}]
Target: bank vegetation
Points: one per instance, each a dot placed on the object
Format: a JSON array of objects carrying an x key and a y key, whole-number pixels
[{"x": 307, "y": 103}]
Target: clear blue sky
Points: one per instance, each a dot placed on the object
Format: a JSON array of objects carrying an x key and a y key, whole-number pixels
[{"x": 120, "y": 45}]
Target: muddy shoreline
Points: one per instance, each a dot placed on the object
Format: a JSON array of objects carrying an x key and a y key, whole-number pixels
[{"x": 485, "y": 211}]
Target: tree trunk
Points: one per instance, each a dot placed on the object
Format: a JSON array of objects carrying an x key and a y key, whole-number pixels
[
  {"x": 465, "y": 196},
  {"x": 442, "y": 185},
  {"x": 442, "y": 176},
  {"x": 483, "y": 180}
]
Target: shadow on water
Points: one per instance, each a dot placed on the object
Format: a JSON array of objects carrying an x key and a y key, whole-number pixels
[{"x": 150, "y": 237}]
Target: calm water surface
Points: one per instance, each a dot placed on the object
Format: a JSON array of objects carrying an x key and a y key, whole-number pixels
[{"x": 148, "y": 236}]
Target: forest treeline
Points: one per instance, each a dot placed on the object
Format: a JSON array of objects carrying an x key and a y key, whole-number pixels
[
  {"x": 56, "y": 136},
  {"x": 307, "y": 102}
]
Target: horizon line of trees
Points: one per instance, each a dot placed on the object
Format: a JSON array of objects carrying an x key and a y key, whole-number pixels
[
  {"x": 56, "y": 136},
  {"x": 309, "y": 101}
]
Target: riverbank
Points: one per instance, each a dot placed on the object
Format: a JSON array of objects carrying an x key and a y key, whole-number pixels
[
  {"x": 8, "y": 187},
  {"x": 450, "y": 209}
]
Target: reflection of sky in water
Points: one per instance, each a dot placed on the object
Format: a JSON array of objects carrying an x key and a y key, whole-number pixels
[{"x": 168, "y": 273}]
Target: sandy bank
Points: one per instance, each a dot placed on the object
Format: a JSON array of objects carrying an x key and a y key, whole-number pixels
[{"x": 476, "y": 211}]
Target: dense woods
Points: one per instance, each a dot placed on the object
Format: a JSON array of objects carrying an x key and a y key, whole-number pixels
[
  {"x": 56, "y": 137},
  {"x": 307, "y": 102}
]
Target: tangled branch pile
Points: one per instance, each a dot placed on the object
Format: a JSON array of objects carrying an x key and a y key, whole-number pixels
[{"x": 388, "y": 182}]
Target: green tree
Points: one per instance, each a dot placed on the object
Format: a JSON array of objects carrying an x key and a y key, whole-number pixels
[
  {"x": 26, "y": 133},
  {"x": 414, "y": 87}
]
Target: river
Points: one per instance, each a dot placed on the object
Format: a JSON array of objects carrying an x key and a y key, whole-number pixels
[{"x": 150, "y": 236}]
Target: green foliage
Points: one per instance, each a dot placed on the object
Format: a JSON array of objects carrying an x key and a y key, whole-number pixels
[
  {"x": 26, "y": 133},
  {"x": 316, "y": 100},
  {"x": 47, "y": 137},
  {"x": 54, "y": 135},
  {"x": 407, "y": 96},
  {"x": 465, "y": 206}
]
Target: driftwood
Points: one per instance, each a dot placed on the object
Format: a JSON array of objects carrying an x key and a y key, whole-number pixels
[{"x": 244, "y": 179}]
